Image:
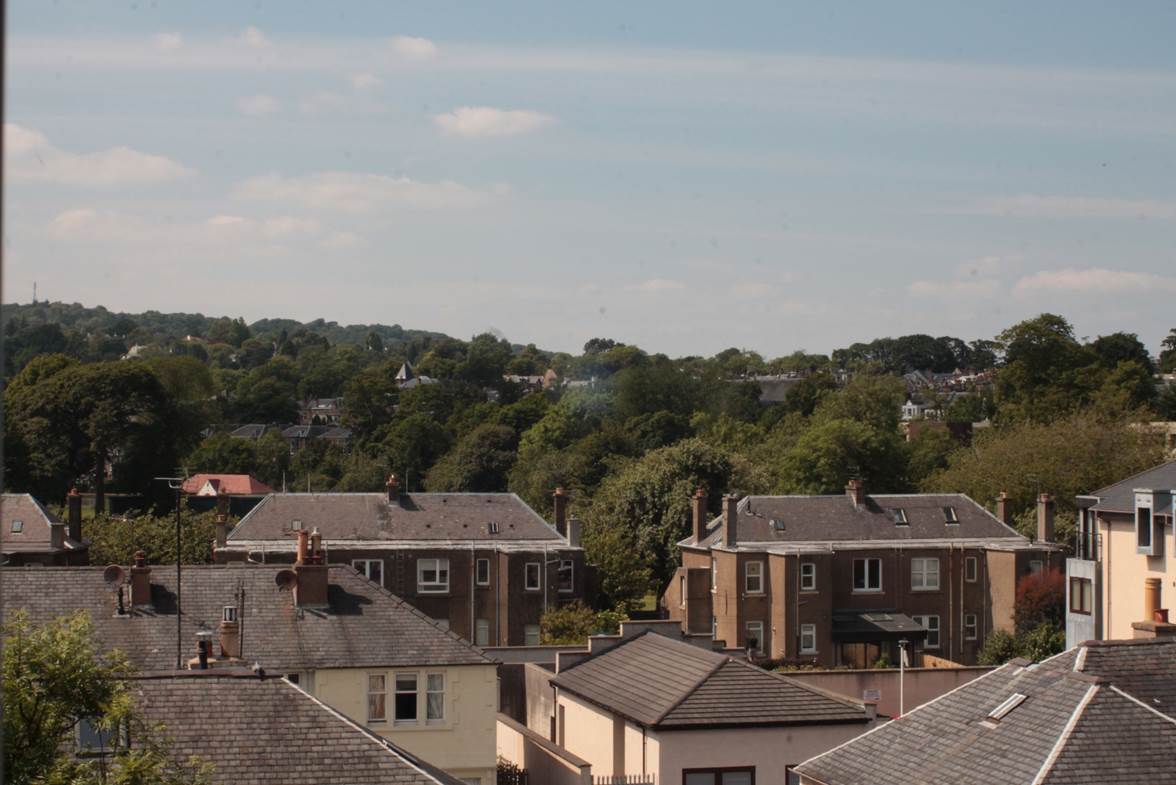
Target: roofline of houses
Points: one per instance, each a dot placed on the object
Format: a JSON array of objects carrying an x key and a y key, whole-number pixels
[
  {"x": 288, "y": 546},
  {"x": 829, "y": 546}
]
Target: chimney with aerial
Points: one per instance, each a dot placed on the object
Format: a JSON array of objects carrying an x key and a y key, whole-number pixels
[
  {"x": 698, "y": 509},
  {"x": 1045, "y": 518},
  {"x": 730, "y": 520},
  {"x": 1002, "y": 509},
  {"x": 393, "y": 486},
  {"x": 560, "y": 504},
  {"x": 73, "y": 504},
  {"x": 311, "y": 570},
  {"x": 140, "y": 581},
  {"x": 855, "y": 489}
]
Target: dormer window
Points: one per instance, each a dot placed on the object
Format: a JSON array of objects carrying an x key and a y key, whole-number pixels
[
  {"x": 17, "y": 526},
  {"x": 898, "y": 514},
  {"x": 949, "y": 515},
  {"x": 1149, "y": 526},
  {"x": 1143, "y": 529},
  {"x": 492, "y": 527}
]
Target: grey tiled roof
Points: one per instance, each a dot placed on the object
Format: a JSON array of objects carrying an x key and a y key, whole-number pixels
[
  {"x": 1120, "y": 497},
  {"x": 1077, "y": 726},
  {"x": 836, "y": 519},
  {"x": 364, "y": 625},
  {"x": 256, "y": 731},
  {"x": 417, "y": 516},
  {"x": 35, "y": 519},
  {"x": 664, "y": 683}
]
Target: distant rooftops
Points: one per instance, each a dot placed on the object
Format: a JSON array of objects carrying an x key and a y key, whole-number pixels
[
  {"x": 230, "y": 484},
  {"x": 26, "y": 527}
]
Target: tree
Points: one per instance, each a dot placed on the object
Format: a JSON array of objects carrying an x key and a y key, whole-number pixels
[
  {"x": 571, "y": 624},
  {"x": 1121, "y": 347},
  {"x": 1042, "y": 377},
  {"x": 1040, "y": 599},
  {"x": 223, "y": 454},
  {"x": 1168, "y": 352},
  {"x": 481, "y": 461},
  {"x": 115, "y": 539},
  {"x": 413, "y": 445},
  {"x": 832, "y": 452}
]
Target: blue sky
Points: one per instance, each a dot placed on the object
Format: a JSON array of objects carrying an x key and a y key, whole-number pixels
[{"x": 683, "y": 176}]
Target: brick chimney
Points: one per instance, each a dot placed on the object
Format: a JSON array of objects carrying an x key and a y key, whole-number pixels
[
  {"x": 230, "y": 632},
  {"x": 140, "y": 581},
  {"x": 1152, "y": 588},
  {"x": 1045, "y": 518},
  {"x": 73, "y": 504},
  {"x": 856, "y": 490},
  {"x": 1155, "y": 622},
  {"x": 730, "y": 520},
  {"x": 698, "y": 507},
  {"x": 1002, "y": 509},
  {"x": 222, "y": 519},
  {"x": 560, "y": 503},
  {"x": 574, "y": 538},
  {"x": 311, "y": 570},
  {"x": 56, "y": 535},
  {"x": 393, "y": 486}
]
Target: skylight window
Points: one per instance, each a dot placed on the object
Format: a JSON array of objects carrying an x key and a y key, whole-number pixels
[
  {"x": 949, "y": 515},
  {"x": 493, "y": 527},
  {"x": 899, "y": 516},
  {"x": 17, "y": 526},
  {"x": 778, "y": 524},
  {"x": 1013, "y": 701}
]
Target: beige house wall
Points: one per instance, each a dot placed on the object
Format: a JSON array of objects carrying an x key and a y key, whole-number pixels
[
  {"x": 1124, "y": 572},
  {"x": 588, "y": 732},
  {"x": 464, "y": 744}
]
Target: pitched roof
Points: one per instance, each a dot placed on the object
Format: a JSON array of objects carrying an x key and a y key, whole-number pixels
[
  {"x": 1077, "y": 725},
  {"x": 660, "y": 682},
  {"x": 363, "y": 625},
  {"x": 1120, "y": 496},
  {"x": 269, "y": 731},
  {"x": 370, "y": 517},
  {"x": 232, "y": 484},
  {"x": 791, "y": 520},
  {"x": 34, "y": 533}
]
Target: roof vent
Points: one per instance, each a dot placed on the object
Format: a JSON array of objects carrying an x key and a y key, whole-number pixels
[
  {"x": 999, "y": 713},
  {"x": 899, "y": 516},
  {"x": 950, "y": 516}
]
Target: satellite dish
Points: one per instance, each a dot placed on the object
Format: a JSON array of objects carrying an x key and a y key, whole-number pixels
[
  {"x": 286, "y": 580},
  {"x": 113, "y": 575}
]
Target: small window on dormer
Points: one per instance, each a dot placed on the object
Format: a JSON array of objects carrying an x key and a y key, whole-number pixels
[
  {"x": 899, "y": 516},
  {"x": 17, "y": 527},
  {"x": 492, "y": 527},
  {"x": 949, "y": 515},
  {"x": 1143, "y": 529}
]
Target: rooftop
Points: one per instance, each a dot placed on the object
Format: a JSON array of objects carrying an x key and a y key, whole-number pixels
[
  {"x": 362, "y": 626},
  {"x": 231, "y": 484},
  {"x": 24, "y": 525},
  {"x": 1120, "y": 496},
  {"x": 660, "y": 682},
  {"x": 1103, "y": 712},
  {"x": 269, "y": 731}
]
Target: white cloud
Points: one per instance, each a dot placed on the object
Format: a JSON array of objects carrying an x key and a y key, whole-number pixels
[
  {"x": 358, "y": 193},
  {"x": 1081, "y": 207},
  {"x": 257, "y": 105},
  {"x": 365, "y": 81},
  {"x": 31, "y": 157},
  {"x": 1096, "y": 280},
  {"x": 252, "y": 37},
  {"x": 474, "y": 121},
  {"x": 412, "y": 48},
  {"x": 954, "y": 289},
  {"x": 168, "y": 42},
  {"x": 323, "y": 101},
  {"x": 654, "y": 285}
]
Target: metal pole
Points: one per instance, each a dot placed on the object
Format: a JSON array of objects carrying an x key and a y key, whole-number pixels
[
  {"x": 902, "y": 644},
  {"x": 179, "y": 589}
]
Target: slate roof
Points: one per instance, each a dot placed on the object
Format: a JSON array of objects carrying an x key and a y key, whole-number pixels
[
  {"x": 251, "y": 431},
  {"x": 256, "y": 731},
  {"x": 232, "y": 484},
  {"x": 1080, "y": 724},
  {"x": 364, "y": 625},
  {"x": 825, "y": 519},
  {"x": 416, "y": 517},
  {"x": 662, "y": 683},
  {"x": 1120, "y": 496},
  {"x": 34, "y": 535}
]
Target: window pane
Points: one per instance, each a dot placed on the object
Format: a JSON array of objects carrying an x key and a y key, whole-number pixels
[
  {"x": 700, "y": 778},
  {"x": 376, "y": 571},
  {"x": 875, "y": 573},
  {"x": 859, "y": 574},
  {"x": 736, "y": 778}
]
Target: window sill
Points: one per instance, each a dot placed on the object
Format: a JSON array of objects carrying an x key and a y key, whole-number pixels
[
  {"x": 533, "y": 590},
  {"x": 810, "y": 591},
  {"x": 925, "y": 591},
  {"x": 433, "y": 592},
  {"x": 866, "y": 591},
  {"x": 567, "y": 591},
  {"x": 754, "y": 594},
  {"x": 805, "y": 653}
]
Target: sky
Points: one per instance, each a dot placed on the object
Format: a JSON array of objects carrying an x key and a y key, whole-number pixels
[{"x": 680, "y": 175}]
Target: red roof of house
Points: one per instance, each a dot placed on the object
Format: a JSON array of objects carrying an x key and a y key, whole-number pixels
[{"x": 230, "y": 484}]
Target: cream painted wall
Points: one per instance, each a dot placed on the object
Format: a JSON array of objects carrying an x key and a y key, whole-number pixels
[
  {"x": 588, "y": 732},
  {"x": 1125, "y": 573},
  {"x": 769, "y": 750},
  {"x": 635, "y": 746},
  {"x": 463, "y": 745}
]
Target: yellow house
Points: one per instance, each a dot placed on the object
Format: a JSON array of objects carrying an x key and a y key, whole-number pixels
[{"x": 344, "y": 640}]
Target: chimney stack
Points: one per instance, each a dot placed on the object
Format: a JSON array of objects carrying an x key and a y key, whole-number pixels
[
  {"x": 222, "y": 520},
  {"x": 230, "y": 633},
  {"x": 311, "y": 571},
  {"x": 1002, "y": 509},
  {"x": 856, "y": 490},
  {"x": 1045, "y": 518},
  {"x": 1151, "y": 599},
  {"x": 73, "y": 504},
  {"x": 57, "y": 535},
  {"x": 393, "y": 486},
  {"x": 140, "y": 581},
  {"x": 574, "y": 532},
  {"x": 731, "y": 520},
  {"x": 560, "y": 502},
  {"x": 698, "y": 507}
]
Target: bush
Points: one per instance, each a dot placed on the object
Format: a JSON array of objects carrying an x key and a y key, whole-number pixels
[
  {"x": 1044, "y": 640},
  {"x": 999, "y": 647},
  {"x": 572, "y": 624},
  {"x": 114, "y": 540},
  {"x": 1041, "y": 599}
]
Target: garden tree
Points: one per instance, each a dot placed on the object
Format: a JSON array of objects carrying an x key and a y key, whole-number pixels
[
  {"x": 833, "y": 451},
  {"x": 1040, "y": 599},
  {"x": 268, "y": 393},
  {"x": 1168, "y": 352},
  {"x": 578, "y": 468},
  {"x": 189, "y": 384},
  {"x": 374, "y": 343},
  {"x": 657, "y": 429},
  {"x": 571, "y": 624},
  {"x": 231, "y": 331},
  {"x": 486, "y": 360},
  {"x": 874, "y": 400},
  {"x": 525, "y": 412},
  {"x": 972, "y": 407},
  {"x": 531, "y": 361},
  {"x": 1042, "y": 377},
  {"x": 804, "y": 396},
  {"x": 1121, "y": 347},
  {"x": 115, "y": 539},
  {"x": 928, "y": 452},
  {"x": 999, "y": 647},
  {"x": 1166, "y": 403},
  {"x": 362, "y": 474},
  {"x": 480, "y": 461},
  {"x": 442, "y": 359},
  {"x": 273, "y": 459},
  {"x": 317, "y": 466},
  {"x": 1067, "y": 457},
  {"x": 649, "y": 499},
  {"x": 74, "y": 421},
  {"x": 727, "y": 432},
  {"x": 54, "y": 675},
  {"x": 736, "y": 363},
  {"x": 647, "y": 389},
  {"x": 223, "y": 454},
  {"x": 369, "y": 399},
  {"x": 254, "y": 353},
  {"x": 413, "y": 444},
  {"x": 901, "y": 355},
  {"x": 1126, "y": 389}
]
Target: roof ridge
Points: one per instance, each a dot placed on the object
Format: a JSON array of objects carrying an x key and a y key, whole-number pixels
[
  {"x": 845, "y": 699},
  {"x": 1128, "y": 478},
  {"x": 1048, "y": 764},
  {"x": 693, "y": 688}
]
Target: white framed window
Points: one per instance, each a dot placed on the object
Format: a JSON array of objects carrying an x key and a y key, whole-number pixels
[
  {"x": 1081, "y": 596},
  {"x": 924, "y": 574},
  {"x": 899, "y": 516},
  {"x": 406, "y": 698},
  {"x": 531, "y": 580},
  {"x": 377, "y": 697},
  {"x": 1036, "y": 566},
  {"x": 867, "y": 575},
  {"x": 372, "y": 569},
  {"x": 567, "y": 573},
  {"x": 970, "y": 626},
  {"x": 714, "y": 574},
  {"x": 949, "y": 515},
  {"x": 753, "y": 577},
  {"x": 808, "y": 639},
  {"x": 17, "y": 526},
  {"x": 482, "y": 632},
  {"x": 531, "y": 635},
  {"x": 754, "y": 636},
  {"x": 971, "y": 569},
  {"x": 932, "y": 625},
  {"x": 432, "y": 576},
  {"x": 1143, "y": 530},
  {"x": 435, "y": 698},
  {"x": 482, "y": 572},
  {"x": 808, "y": 576},
  {"x": 94, "y": 741}
]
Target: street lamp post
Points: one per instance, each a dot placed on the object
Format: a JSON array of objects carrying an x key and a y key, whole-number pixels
[{"x": 902, "y": 650}]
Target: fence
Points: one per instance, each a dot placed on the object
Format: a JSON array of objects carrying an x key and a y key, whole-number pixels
[{"x": 624, "y": 779}]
